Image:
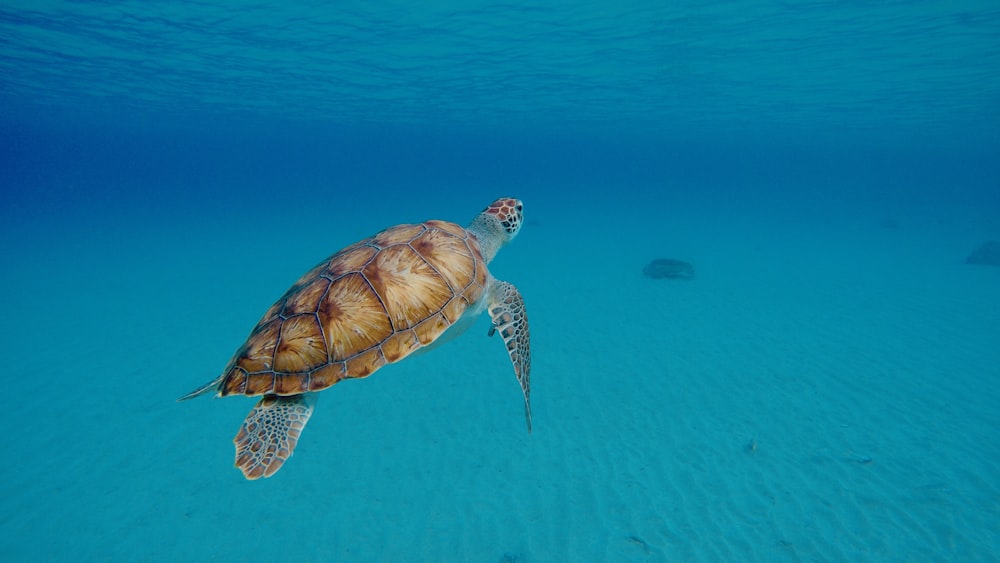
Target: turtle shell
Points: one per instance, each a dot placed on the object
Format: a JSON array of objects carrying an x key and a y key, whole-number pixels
[{"x": 373, "y": 303}]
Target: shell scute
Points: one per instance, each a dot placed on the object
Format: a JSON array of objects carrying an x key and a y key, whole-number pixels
[
  {"x": 306, "y": 299},
  {"x": 291, "y": 383},
  {"x": 400, "y": 345},
  {"x": 449, "y": 255},
  {"x": 259, "y": 383},
  {"x": 326, "y": 376},
  {"x": 234, "y": 383},
  {"x": 472, "y": 293},
  {"x": 309, "y": 276},
  {"x": 428, "y": 330},
  {"x": 301, "y": 346},
  {"x": 448, "y": 227},
  {"x": 455, "y": 309},
  {"x": 351, "y": 259},
  {"x": 352, "y": 317},
  {"x": 365, "y": 364},
  {"x": 400, "y": 234},
  {"x": 258, "y": 352},
  {"x": 409, "y": 288}
]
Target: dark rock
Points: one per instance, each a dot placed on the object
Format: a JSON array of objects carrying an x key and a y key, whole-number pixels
[
  {"x": 668, "y": 268},
  {"x": 988, "y": 253}
]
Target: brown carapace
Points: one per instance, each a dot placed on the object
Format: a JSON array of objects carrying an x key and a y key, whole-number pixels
[{"x": 368, "y": 305}]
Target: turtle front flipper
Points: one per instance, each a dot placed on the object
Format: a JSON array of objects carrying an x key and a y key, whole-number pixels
[
  {"x": 270, "y": 432},
  {"x": 506, "y": 308}
]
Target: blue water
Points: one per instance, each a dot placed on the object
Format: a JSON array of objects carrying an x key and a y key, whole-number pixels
[{"x": 825, "y": 388}]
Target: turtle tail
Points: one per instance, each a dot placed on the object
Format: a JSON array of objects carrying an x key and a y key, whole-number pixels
[{"x": 210, "y": 386}]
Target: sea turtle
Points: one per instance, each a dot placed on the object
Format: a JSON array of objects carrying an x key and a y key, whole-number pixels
[{"x": 371, "y": 304}]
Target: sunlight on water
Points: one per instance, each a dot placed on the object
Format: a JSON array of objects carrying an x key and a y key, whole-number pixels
[{"x": 796, "y": 65}]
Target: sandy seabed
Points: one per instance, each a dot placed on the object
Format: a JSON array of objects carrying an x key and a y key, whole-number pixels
[{"x": 819, "y": 392}]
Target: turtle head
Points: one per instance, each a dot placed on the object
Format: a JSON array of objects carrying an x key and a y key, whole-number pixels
[
  {"x": 497, "y": 225},
  {"x": 510, "y": 213}
]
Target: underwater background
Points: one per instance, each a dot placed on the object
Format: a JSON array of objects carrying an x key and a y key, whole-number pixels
[{"x": 824, "y": 388}]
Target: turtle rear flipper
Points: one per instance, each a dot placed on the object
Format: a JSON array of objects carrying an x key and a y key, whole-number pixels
[{"x": 270, "y": 432}]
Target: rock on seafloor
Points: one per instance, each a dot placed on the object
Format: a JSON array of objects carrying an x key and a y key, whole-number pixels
[
  {"x": 988, "y": 253},
  {"x": 668, "y": 268}
]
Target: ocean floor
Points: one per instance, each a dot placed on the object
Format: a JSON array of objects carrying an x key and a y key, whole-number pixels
[{"x": 824, "y": 389}]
